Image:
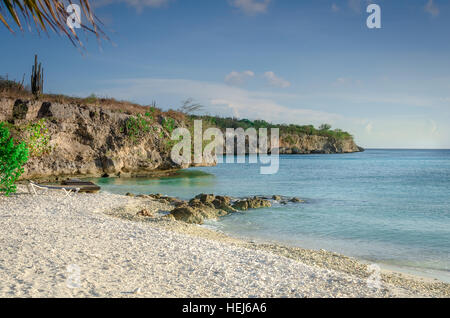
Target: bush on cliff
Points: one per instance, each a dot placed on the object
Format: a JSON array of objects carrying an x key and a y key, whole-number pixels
[{"x": 12, "y": 159}]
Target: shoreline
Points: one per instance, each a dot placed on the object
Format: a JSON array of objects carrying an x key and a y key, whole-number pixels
[
  {"x": 122, "y": 254},
  {"x": 349, "y": 265},
  {"x": 412, "y": 272}
]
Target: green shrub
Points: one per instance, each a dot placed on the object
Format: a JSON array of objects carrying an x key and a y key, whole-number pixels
[
  {"x": 325, "y": 127},
  {"x": 12, "y": 159},
  {"x": 168, "y": 124},
  {"x": 136, "y": 126}
]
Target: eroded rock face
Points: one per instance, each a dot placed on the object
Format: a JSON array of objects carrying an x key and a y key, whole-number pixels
[{"x": 20, "y": 109}]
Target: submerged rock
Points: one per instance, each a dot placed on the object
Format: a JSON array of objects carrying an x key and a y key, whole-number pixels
[
  {"x": 252, "y": 203},
  {"x": 223, "y": 203},
  {"x": 241, "y": 205},
  {"x": 257, "y": 203}
]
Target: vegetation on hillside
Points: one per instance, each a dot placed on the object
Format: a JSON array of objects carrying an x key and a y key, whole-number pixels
[{"x": 285, "y": 129}]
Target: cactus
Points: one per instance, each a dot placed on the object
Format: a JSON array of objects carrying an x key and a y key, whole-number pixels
[{"x": 37, "y": 78}]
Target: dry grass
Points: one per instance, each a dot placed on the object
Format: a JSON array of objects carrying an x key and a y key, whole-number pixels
[
  {"x": 178, "y": 116},
  {"x": 93, "y": 101}
]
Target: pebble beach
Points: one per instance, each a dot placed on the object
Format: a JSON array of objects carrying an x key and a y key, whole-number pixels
[{"x": 98, "y": 245}]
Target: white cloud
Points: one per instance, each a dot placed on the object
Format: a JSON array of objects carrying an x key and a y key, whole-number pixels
[
  {"x": 334, "y": 7},
  {"x": 276, "y": 81},
  {"x": 251, "y": 7},
  {"x": 342, "y": 81},
  {"x": 219, "y": 99},
  {"x": 238, "y": 78},
  {"x": 431, "y": 8},
  {"x": 138, "y": 4}
]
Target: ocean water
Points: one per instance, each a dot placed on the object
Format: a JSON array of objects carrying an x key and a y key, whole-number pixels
[{"x": 389, "y": 207}]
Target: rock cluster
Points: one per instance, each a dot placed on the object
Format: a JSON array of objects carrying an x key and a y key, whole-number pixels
[
  {"x": 210, "y": 206},
  {"x": 252, "y": 203},
  {"x": 203, "y": 206}
]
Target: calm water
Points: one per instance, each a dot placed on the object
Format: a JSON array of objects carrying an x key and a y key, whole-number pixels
[{"x": 391, "y": 207}]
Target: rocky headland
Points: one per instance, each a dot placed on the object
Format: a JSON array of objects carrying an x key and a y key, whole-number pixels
[{"x": 94, "y": 138}]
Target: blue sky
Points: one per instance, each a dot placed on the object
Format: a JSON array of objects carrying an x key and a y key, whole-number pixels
[{"x": 285, "y": 61}]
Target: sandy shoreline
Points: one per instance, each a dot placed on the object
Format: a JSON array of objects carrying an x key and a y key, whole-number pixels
[{"x": 96, "y": 246}]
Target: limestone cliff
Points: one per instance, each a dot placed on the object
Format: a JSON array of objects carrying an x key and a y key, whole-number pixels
[{"x": 89, "y": 141}]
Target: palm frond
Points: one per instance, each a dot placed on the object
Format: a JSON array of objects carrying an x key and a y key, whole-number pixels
[{"x": 49, "y": 14}]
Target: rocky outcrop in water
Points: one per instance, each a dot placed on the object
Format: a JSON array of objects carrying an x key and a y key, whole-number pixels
[{"x": 210, "y": 206}]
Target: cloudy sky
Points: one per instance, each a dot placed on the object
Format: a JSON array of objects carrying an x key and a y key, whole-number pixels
[{"x": 285, "y": 61}]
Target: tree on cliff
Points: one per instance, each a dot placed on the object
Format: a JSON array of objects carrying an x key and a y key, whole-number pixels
[
  {"x": 325, "y": 127},
  {"x": 49, "y": 14}
]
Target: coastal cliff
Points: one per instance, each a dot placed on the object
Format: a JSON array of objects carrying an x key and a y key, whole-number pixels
[
  {"x": 314, "y": 144},
  {"x": 91, "y": 139}
]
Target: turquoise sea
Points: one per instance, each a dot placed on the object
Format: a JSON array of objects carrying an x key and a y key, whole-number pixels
[{"x": 390, "y": 207}]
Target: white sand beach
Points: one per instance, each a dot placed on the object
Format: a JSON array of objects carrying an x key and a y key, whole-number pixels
[{"x": 94, "y": 245}]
